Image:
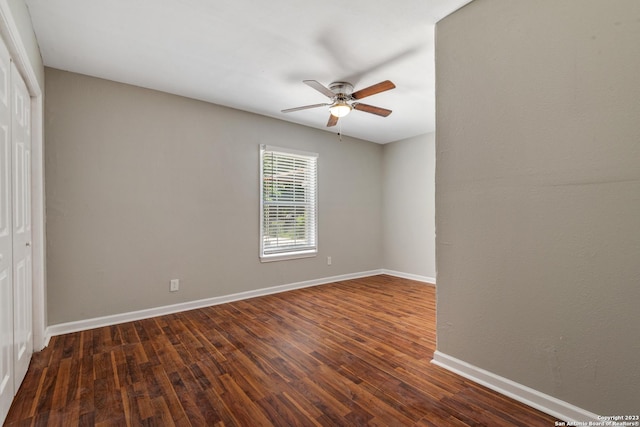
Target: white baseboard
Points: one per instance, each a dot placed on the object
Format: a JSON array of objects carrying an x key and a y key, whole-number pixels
[
  {"x": 543, "y": 402},
  {"x": 425, "y": 279},
  {"x": 98, "y": 322}
]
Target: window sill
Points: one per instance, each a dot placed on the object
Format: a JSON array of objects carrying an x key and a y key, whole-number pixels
[{"x": 287, "y": 256}]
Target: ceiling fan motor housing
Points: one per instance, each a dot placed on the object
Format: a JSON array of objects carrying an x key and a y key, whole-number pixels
[{"x": 341, "y": 88}]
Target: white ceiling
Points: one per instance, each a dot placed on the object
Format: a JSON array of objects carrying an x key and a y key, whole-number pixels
[{"x": 253, "y": 55}]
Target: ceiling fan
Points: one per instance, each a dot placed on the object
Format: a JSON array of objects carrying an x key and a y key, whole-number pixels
[{"x": 342, "y": 99}]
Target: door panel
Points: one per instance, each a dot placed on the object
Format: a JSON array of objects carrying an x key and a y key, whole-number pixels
[
  {"x": 7, "y": 383},
  {"x": 22, "y": 287},
  {"x": 6, "y": 341}
]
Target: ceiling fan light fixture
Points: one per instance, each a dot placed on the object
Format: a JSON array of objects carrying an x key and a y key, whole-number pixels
[{"x": 340, "y": 109}]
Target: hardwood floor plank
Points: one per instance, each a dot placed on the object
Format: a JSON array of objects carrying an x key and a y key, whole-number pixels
[
  {"x": 311, "y": 413},
  {"x": 186, "y": 397},
  {"x": 243, "y": 409},
  {"x": 169, "y": 396},
  {"x": 43, "y": 404},
  {"x": 354, "y": 352},
  {"x": 59, "y": 399},
  {"x": 279, "y": 412}
]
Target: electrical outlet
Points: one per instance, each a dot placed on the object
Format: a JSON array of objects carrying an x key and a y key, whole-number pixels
[
  {"x": 328, "y": 260},
  {"x": 175, "y": 285}
]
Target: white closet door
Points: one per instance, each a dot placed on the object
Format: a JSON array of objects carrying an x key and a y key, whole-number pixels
[
  {"x": 7, "y": 383},
  {"x": 21, "y": 168}
]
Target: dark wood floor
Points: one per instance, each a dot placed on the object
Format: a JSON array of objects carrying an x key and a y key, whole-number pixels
[{"x": 355, "y": 352}]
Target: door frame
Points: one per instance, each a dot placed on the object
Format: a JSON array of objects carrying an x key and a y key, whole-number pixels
[{"x": 10, "y": 32}]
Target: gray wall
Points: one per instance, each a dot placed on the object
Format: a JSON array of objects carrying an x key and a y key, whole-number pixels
[
  {"x": 538, "y": 195},
  {"x": 144, "y": 186},
  {"x": 408, "y": 212}
]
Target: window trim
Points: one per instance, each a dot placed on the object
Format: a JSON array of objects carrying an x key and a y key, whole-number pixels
[{"x": 291, "y": 254}]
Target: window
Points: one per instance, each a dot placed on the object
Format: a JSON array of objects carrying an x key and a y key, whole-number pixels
[{"x": 288, "y": 227}]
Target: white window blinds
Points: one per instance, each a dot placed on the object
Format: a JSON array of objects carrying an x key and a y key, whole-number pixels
[{"x": 288, "y": 227}]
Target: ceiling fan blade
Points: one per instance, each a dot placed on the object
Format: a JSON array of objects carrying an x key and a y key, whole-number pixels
[
  {"x": 333, "y": 120},
  {"x": 372, "y": 90},
  {"x": 305, "y": 107},
  {"x": 320, "y": 88},
  {"x": 371, "y": 109}
]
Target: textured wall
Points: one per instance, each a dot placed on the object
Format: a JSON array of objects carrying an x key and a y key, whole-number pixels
[
  {"x": 144, "y": 186},
  {"x": 408, "y": 213},
  {"x": 538, "y": 195}
]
